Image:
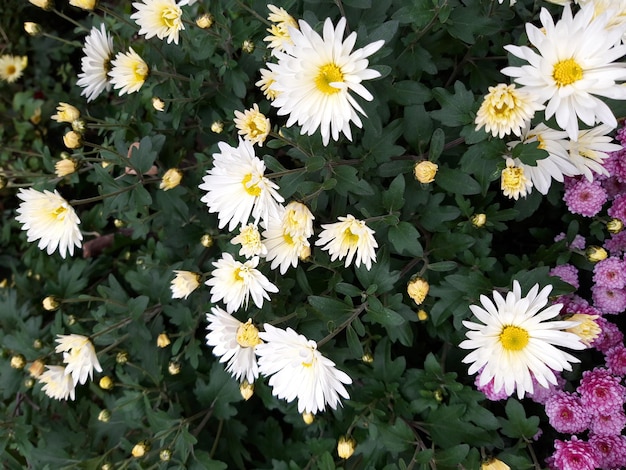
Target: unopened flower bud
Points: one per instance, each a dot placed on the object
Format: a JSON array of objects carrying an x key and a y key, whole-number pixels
[
  {"x": 140, "y": 449},
  {"x": 418, "y": 289},
  {"x": 438, "y": 394},
  {"x": 367, "y": 358},
  {"x": 205, "y": 21},
  {"x": 307, "y": 417},
  {"x": 35, "y": 118},
  {"x": 65, "y": 167},
  {"x": 158, "y": 103},
  {"x": 425, "y": 171},
  {"x": 106, "y": 383},
  {"x": 66, "y": 113},
  {"x": 615, "y": 226},
  {"x": 494, "y": 464},
  {"x": 71, "y": 319},
  {"x": 163, "y": 340},
  {"x": 79, "y": 126},
  {"x": 246, "y": 389},
  {"x": 247, "y": 46},
  {"x": 206, "y": 240},
  {"x": 217, "y": 127},
  {"x": 72, "y": 140},
  {"x": 44, "y": 4},
  {"x": 305, "y": 253},
  {"x": 36, "y": 368},
  {"x": 84, "y": 4},
  {"x": 479, "y": 220},
  {"x": 37, "y": 344},
  {"x": 422, "y": 315},
  {"x": 33, "y": 29},
  {"x": 171, "y": 179},
  {"x": 51, "y": 303},
  {"x": 118, "y": 223},
  {"x": 121, "y": 357},
  {"x": 165, "y": 455},
  {"x": 173, "y": 368},
  {"x": 104, "y": 416},
  {"x": 18, "y": 361},
  {"x": 29, "y": 383},
  {"x": 596, "y": 253},
  {"x": 345, "y": 447}
]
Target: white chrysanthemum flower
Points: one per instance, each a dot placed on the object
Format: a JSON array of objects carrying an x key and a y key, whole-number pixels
[
  {"x": 517, "y": 341},
  {"x": 505, "y": 110},
  {"x": 234, "y": 343},
  {"x": 184, "y": 284},
  {"x": 314, "y": 78},
  {"x": 554, "y": 167},
  {"x": 347, "y": 238},
  {"x": 250, "y": 239},
  {"x": 573, "y": 65},
  {"x": 279, "y": 15},
  {"x": 160, "y": 18},
  {"x": 616, "y": 10},
  {"x": 98, "y": 51},
  {"x": 591, "y": 149},
  {"x": 279, "y": 38},
  {"x": 12, "y": 66},
  {"x": 79, "y": 355},
  {"x": 128, "y": 72},
  {"x": 49, "y": 218},
  {"x": 513, "y": 180},
  {"x": 298, "y": 370},
  {"x": 57, "y": 384},
  {"x": 252, "y": 125},
  {"x": 298, "y": 219},
  {"x": 266, "y": 83},
  {"x": 237, "y": 188},
  {"x": 234, "y": 283}
]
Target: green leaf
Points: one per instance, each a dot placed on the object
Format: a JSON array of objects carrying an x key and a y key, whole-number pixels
[
  {"x": 456, "y": 181},
  {"x": 404, "y": 238},
  {"x": 442, "y": 266},
  {"x": 377, "y": 313},
  {"x": 407, "y": 93},
  {"x": 529, "y": 153},
  {"x": 354, "y": 343},
  {"x": 348, "y": 181},
  {"x": 453, "y": 456},
  {"x": 396, "y": 438},
  {"x": 518, "y": 425},
  {"x": 327, "y": 305},
  {"x": 456, "y": 109},
  {"x": 393, "y": 198},
  {"x": 437, "y": 142}
]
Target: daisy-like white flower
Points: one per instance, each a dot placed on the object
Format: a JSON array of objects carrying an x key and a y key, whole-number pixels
[
  {"x": 616, "y": 10},
  {"x": 128, "y": 72},
  {"x": 572, "y": 66},
  {"x": 160, "y": 18},
  {"x": 314, "y": 78},
  {"x": 591, "y": 149},
  {"x": 265, "y": 84},
  {"x": 234, "y": 343},
  {"x": 347, "y": 238},
  {"x": 298, "y": 219},
  {"x": 98, "y": 51},
  {"x": 234, "y": 283},
  {"x": 184, "y": 284},
  {"x": 12, "y": 66},
  {"x": 79, "y": 355},
  {"x": 279, "y": 38},
  {"x": 513, "y": 181},
  {"x": 505, "y": 110},
  {"x": 237, "y": 188},
  {"x": 250, "y": 239},
  {"x": 517, "y": 340},
  {"x": 57, "y": 384},
  {"x": 298, "y": 370},
  {"x": 49, "y": 218},
  {"x": 252, "y": 125}
]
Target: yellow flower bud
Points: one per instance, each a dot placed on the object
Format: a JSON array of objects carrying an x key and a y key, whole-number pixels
[
  {"x": 596, "y": 253},
  {"x": 438, "y": 394},
  {"x": 367, "y": 358},
  {"x": 494, "y": 464},
  {"x": 171, "y": 179},
  {"x": 479, "y": 220},
  {"x": 106, "y": 383},
  {"x": 305, "y": 253},
  {"x": 307, "y": 417},
  {"x": 418, "y": 289},
  {"x": 45, "y": 4},
  {"x": 173, "y": 368},
  {"x": 36, "y": 368},
  {"x": 163, "y": 340},
  {"x": 247, "y": 46},
  {"x": 29, "y": 383},
  {"x": 66, "y": 113},
  {"x": 425, "y": 171},
  {"x": 246, "y": 389},
  {"x": 18, "y": 361},
  {"x": 37, "y": 344},
  {"x": 345, "y": 447},
  {"x": 158, "y": 103},
  {"x": 121, "y": 357},
  {"x": 140, "y": 449},
  {"x": 118, "y": 223},
  {"x": 72, "y": 140},
  {"x": 50, "y": 303},
  {"x": 104, "y": 416},
  {"x": 217, "y": 127},
  {"x": 71, "y": 319},
  {"x": 422, "y": 315},
  {"x": 165, "y": 455},
  {"x": 205, "y": 21},
  {"x": 79, "y": 126},
  {"x": 33, "y": 29},
  {"x": 615, "y": 226},
  {"x": 35, "y": 118},
  {"x": 84, "y": 4},
  {"x": 65, "y": 167},
  {"x": 206, "y": 240}
]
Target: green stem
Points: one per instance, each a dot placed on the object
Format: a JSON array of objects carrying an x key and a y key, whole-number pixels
[
  {"x": 64, "y": 41},
  {"x": 357, "y": 311},
  {"x": 217, "y": 438},
  {"x": 71, "y": 20},
  {"x": 77, "y": 202}
]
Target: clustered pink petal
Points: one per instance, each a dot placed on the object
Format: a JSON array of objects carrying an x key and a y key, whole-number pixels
[
  {"x": 608, "y": 300},
  {"x": 618, "y": 208},
  {"x": 567, "y": 273},
  {"x": 621, "y": 135},
  {"x": 573, "y": 455},
  {"x": 601, "y": 392},
  {"x": 616, "y": 360},
  {"x": 566, "y": 413},
  {"x": 488, "y": 390},
  {"x": 585, "y": 198},
  {"x": 610, "y": 424},
  {"x": 609, "y": 337},
  {"x": 616, "y": 165},
  {"x": 578, "y": 243},
  {"x": 541, "y": 394},
  {"x": 616, "y": 244},
  {"x": 611, "y": 451},
  {"x": 610, "y": 272}
]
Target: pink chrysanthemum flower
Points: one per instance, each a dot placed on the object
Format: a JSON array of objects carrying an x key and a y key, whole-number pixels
[
  {"x": 601, "y": 392},
  {"x": 616, "y": 360},
  {"x": 574, "y": 455},
  {"x": 616, "y": 244},
  {"x": 567, "y": 273},
  {"x": 578, "y": 243},
  {"x": 611, "y": 450},
  {"x": 609, "y": 300},
  {"x": 611, "y": 335},
  {"x": 566, "y": 413},
  {"x": 616, "y": 165},
  {"x": 610, "y": 424},
  {"x": 613, "y": 187},
  {"x": 618, "y": 208},
  {"x": 541, "y": 394},
  {"x": 610, "y": 272},
  {"x": 585, "y": 198},
  {"x": 621, "y": 135},
  {"x": 488, "y": 390}
]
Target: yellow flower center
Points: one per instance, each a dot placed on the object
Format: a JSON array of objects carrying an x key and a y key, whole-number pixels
[
  {"x": 288, "y": 239},
  {"x": 238, "y": 276},
  {"x": 513, "y": 178},
  {"x": 328, "y": 74},
  {"x": 59, "y": 213},
  {"x": 350, "y": 238},
  {"x": 140, "y": 71},
  {"x": 248, "y": 335},
  {"x": 253, "y": 189},
  {"x": 11, "y": 69},
  {"x": 566, "y": 72},
  {"x": 514, "y": 338},
  {"x": 169, "y": 16}
]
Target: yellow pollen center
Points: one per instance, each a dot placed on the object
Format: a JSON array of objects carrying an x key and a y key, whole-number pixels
[
  {"x": 350, "y": 238},
  {"x": 248, "y": 335},
  {"x": 288, "y": 239},
  {"x": 140, "y": 71},
  {"x": 59, "y": 213},
  {"x": 169, "y": 17},
  {"x": 328, "y": 74},
  {"x": 238, "y": 275},
  {"x": 11, "y": 69},
  {"x": 253, "y": 189},
  {"x": 566, "y": 72},
  {"x": 514, "y": 338},
  {"x": 512, "y": 178}
]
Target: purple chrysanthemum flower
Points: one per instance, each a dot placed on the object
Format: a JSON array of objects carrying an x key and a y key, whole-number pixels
[
  {"x": 616, "y": 360},
  {"x": 610, "y": 424},
  {"x": 616, "y": 244},
  {"x": 574, "y": 455},
  {"x": 613, "y": 187},
  {"x": 609, "y": 337},
  {"x": 601, "y": 392},
  {"x": 567, "y": 273},
  {"x": 541, "y": 394},
  {"x": 578, "y": 243},
  {"x": 566, "y": 413},
  {"x": 621, "y": 135},
  {"x": 616, "y": 165},
  {"x": 609, "y": 300},
  {"x": 618, "y": 208},
  {"x": 611, "y": 450},
  {"x": 610, "y": 272},
  {"x": 488, "y": 390},
  {"x": 585, "y": 198}
]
